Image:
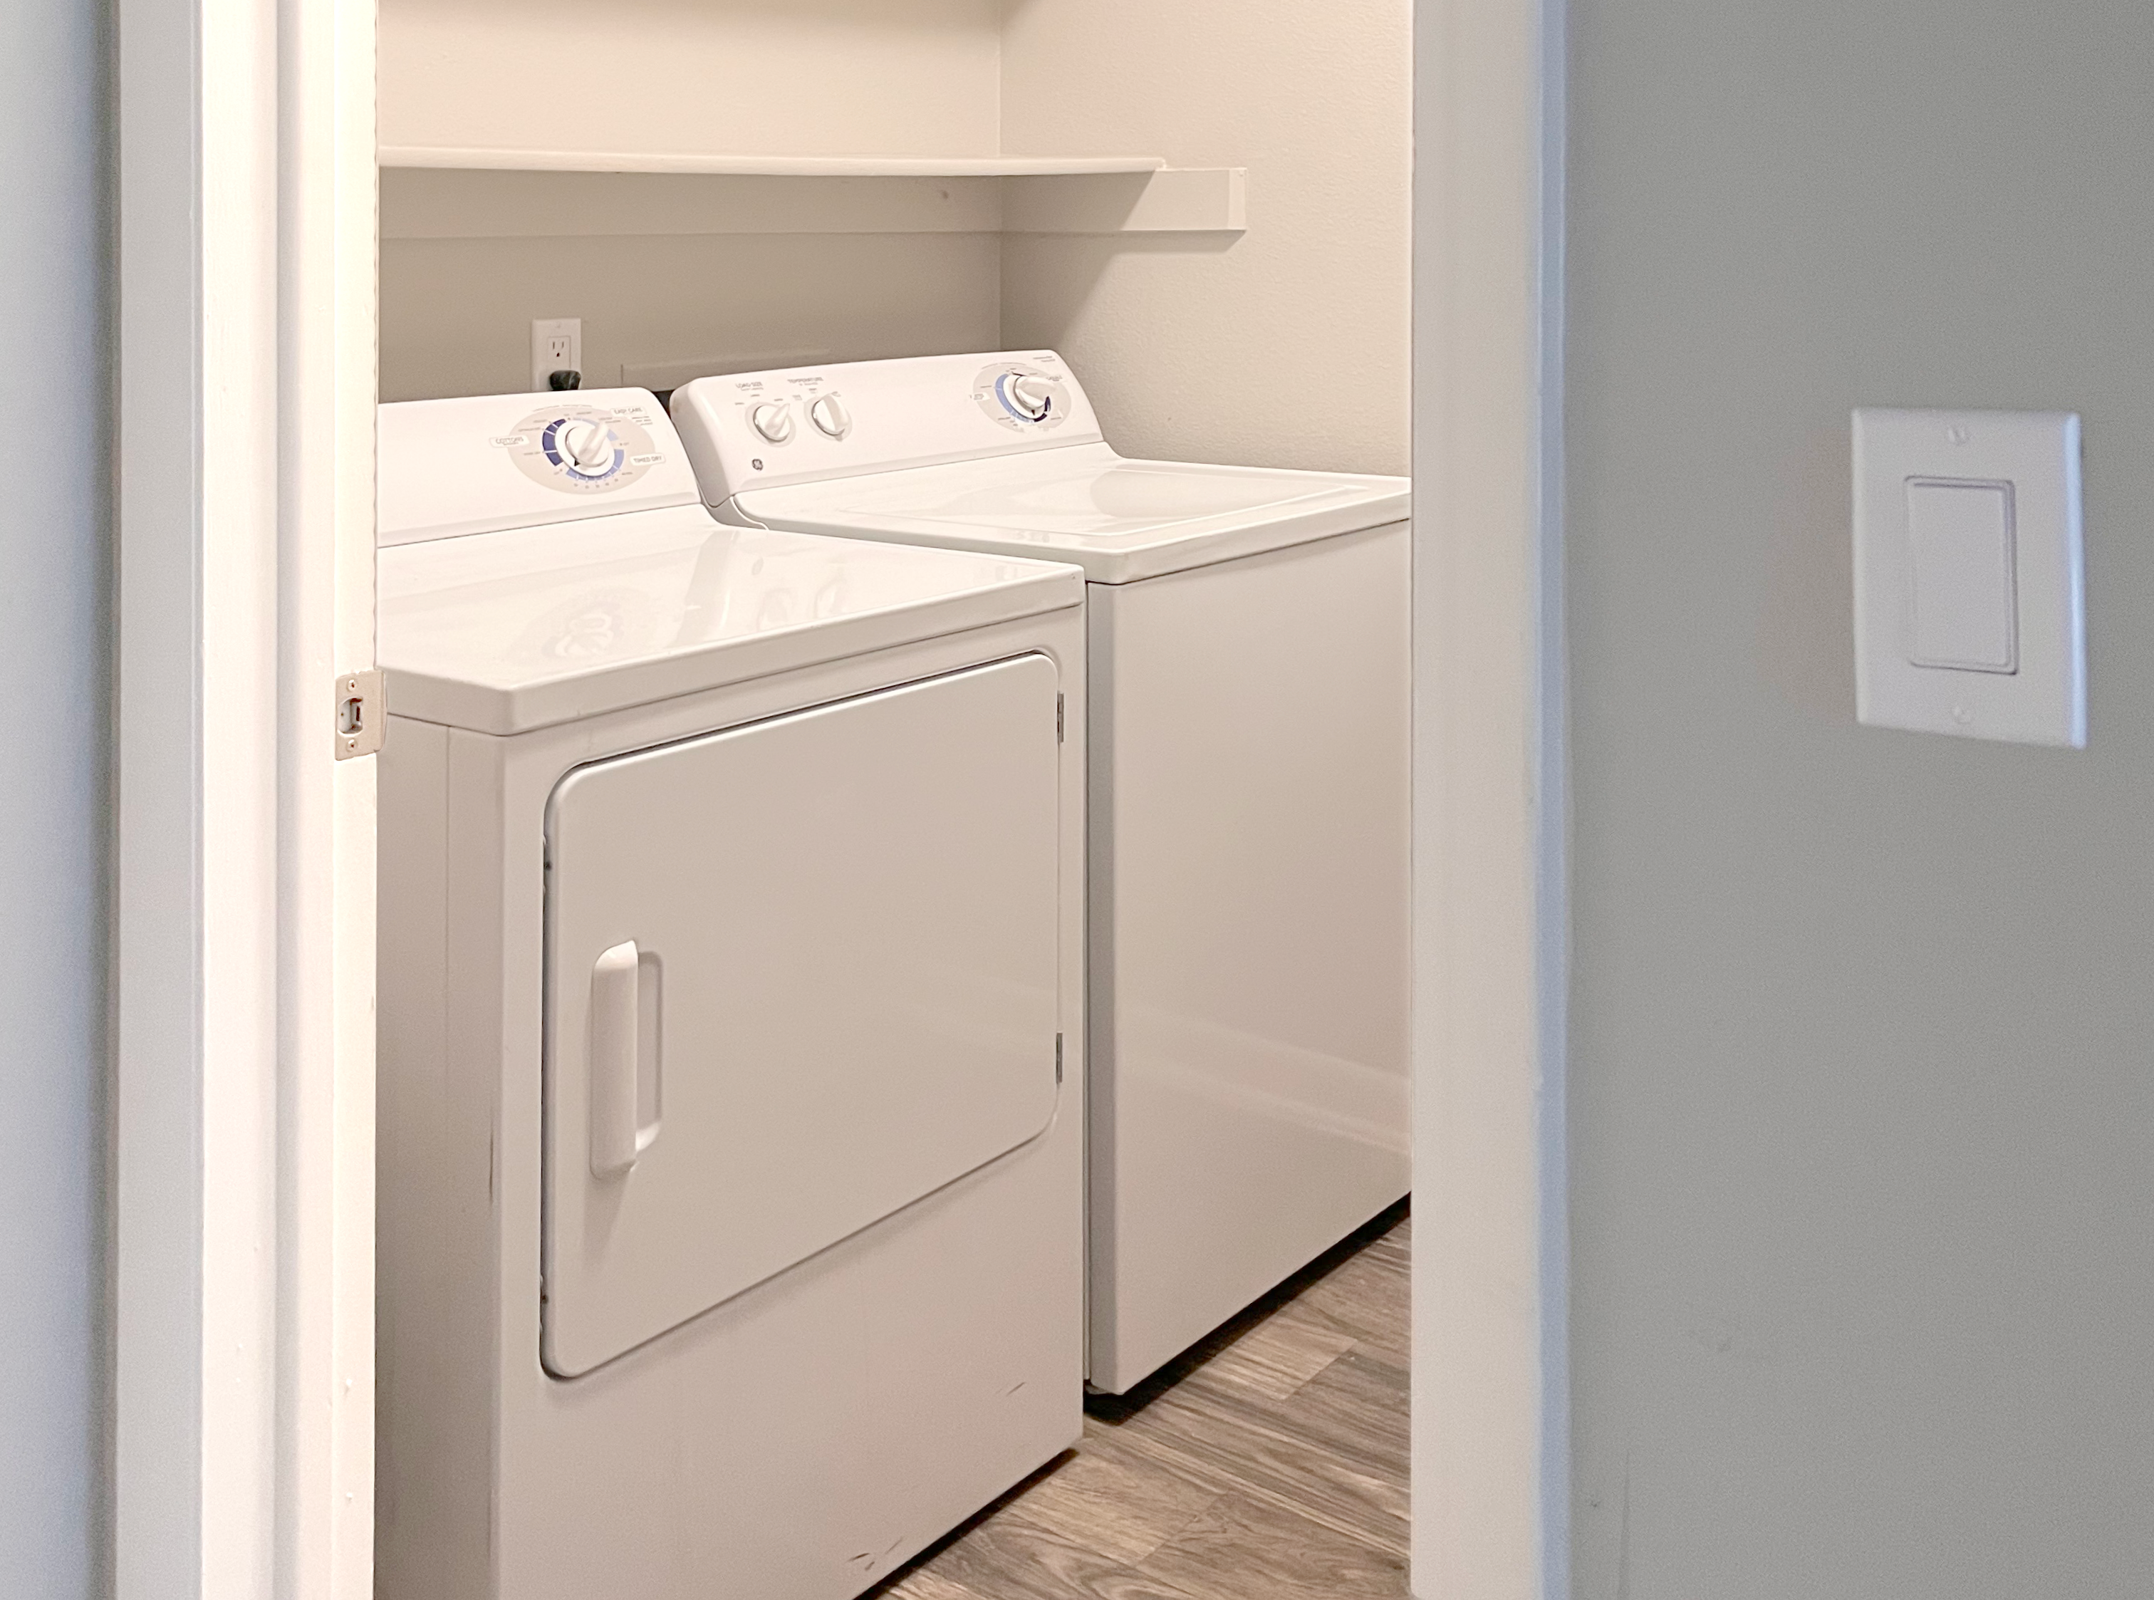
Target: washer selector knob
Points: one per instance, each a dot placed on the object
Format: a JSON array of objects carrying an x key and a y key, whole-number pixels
[
  {"x": 830, "y": 417},
  {"x": 1030, "y": 396},
  {"x": 773, "y": 419}
]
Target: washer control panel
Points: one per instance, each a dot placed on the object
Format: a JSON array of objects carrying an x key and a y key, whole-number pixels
[{"x": 799, "y": 425}]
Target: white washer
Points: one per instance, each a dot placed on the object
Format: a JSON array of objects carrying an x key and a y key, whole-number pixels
[
  {"x": 731, "y": 1148},
  {"x": 1249, "y": 739}
]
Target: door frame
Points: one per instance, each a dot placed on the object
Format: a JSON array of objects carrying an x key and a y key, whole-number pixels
[
  {"x": 1491, "y": 1420},
  {"x": 241, "y": 1237},
  {"x": 243, "y": 852}
]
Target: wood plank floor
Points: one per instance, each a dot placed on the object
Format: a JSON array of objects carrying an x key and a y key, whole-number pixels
[{"x": 1267, "y": 1464}]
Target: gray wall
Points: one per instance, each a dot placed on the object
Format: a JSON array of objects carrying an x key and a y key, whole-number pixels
[
  {"x": 1863, "y": 1086},
  {"x": 54, "y": 562}
]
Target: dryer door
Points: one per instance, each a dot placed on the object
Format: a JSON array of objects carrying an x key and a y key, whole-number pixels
[{"x": 799, "y": 975}]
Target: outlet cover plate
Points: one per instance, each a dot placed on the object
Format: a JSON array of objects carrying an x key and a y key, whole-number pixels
[{"x": 556, "y": 342}]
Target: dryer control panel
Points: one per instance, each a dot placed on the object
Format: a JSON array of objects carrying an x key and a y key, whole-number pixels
[
  {"x": 757, "y": 430},
  {"x": 477, "y": 465}
]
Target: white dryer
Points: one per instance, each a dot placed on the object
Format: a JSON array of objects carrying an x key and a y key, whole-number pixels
[
  {"x": 1249, "y": 794},
  {"x": 731, "y": 1004}
]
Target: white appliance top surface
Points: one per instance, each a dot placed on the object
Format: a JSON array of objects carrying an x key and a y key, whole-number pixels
[
  {"x": 1120, "y": 519},
  {"x": 998, "y": 452},
  {"x": 524, "y": 627}
]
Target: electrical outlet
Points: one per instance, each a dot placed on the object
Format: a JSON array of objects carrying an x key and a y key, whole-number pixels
[{"x": 556, "y": 345}]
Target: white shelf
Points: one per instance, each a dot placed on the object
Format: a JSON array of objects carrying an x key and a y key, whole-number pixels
[
  {"x": 431, "y": 192},
  {"x": 484, "y": 160}
]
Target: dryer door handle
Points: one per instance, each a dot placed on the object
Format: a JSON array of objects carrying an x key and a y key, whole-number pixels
[{"x": 624, "y": 1058}]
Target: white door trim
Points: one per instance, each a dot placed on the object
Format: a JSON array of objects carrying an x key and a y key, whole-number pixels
[
  {"x": 1490, "y": 1409},
  {"x": 243, "y": 950}
]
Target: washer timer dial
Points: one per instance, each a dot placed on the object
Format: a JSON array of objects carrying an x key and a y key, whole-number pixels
[{"x": 1022, "y": 398}]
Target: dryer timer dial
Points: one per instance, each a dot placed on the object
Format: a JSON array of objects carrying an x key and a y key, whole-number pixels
[{"x": 586, "y": 447}]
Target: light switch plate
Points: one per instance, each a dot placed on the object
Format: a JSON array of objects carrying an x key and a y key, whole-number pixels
[{"x": 1970, "y": 612}]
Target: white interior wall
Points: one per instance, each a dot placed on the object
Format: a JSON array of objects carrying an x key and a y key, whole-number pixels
[
  {"x": 456, "y": 313},
  {"x": 1287, "y": 344},
  {"x": 813, "y": 77},
  {"x": 714, "y": 77}
]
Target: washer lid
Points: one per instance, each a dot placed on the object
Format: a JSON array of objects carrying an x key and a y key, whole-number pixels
[
  {"x": 508, "y": 631},
  {"x": 1119, "y": 519}
]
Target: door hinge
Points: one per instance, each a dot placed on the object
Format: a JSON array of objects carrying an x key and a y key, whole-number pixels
[
  {"x": 1058, "y": 719},
  {"x": 362, "y": 715},
  {"x": 1058, "y": 1058}
]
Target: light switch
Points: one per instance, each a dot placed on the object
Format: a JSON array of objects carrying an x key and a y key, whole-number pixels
[
  {"x": 1964, "y": 608},
  {"x": 1969, "y": 604}
]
